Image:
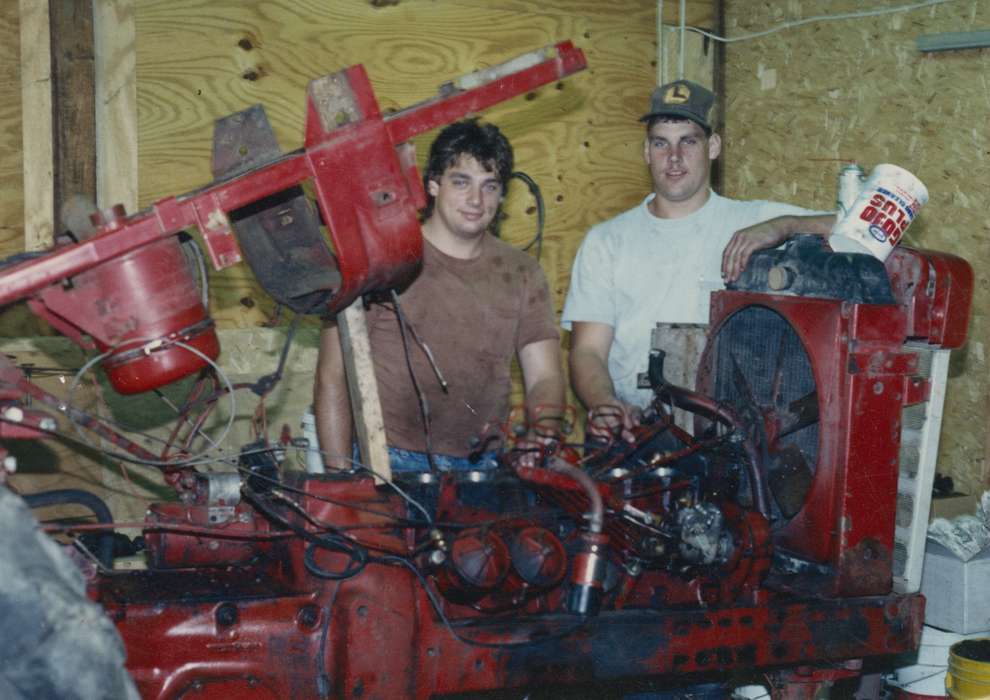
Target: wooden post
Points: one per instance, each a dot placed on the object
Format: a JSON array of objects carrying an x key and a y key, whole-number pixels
[
  {"x": 36, "y": 108},
  {"x": 73, "y": 113},
  {"x": 366, "y": 408},
  {"x": 116, "y": 104},
  {"x": 116, "y": 176}
]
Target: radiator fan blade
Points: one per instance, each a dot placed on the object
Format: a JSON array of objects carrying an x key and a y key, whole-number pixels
[
  {"x": 762, "y": 369},
  {"x": 799, "y": 414},
  {"x": 790, "y": 479}
]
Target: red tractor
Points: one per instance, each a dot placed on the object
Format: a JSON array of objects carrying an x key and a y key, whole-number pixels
[{"x": 760, "y": 539}]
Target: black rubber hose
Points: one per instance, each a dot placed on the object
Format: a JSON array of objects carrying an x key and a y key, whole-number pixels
[
  {"x": 693, "y": 401},
  {"x": 58, "y": 497}
]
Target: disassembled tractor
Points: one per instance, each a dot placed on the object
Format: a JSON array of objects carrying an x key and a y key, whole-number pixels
[{"x": 760, "y": 537}]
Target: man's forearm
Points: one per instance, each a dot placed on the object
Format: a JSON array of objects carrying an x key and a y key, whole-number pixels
[
  {"x": 545, "y": 403},
  {"x": 591, "y": 379},
  {"x": 334, "y": 425},
  {"x": 331, "y": 403},
  {"x": 818, "y": 224},
  {"x": 769, "y": 234}
]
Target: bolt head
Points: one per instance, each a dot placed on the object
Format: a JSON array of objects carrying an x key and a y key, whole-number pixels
[{"x": 14, "y": 414}]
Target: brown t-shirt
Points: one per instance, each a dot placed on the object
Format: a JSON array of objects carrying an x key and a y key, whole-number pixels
[{"x": 474, "y": 315}]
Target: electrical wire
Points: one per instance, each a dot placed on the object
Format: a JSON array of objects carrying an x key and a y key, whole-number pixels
[
  {"x": 358, "y": 555},
  {"x": 232, "y": 461},
  {"x": 424, "y": 407},
  {"x": 331, "y": 541},
  {"x": 406, "y": 522},
  {"x": 266, "y": 383},
  {"x": 334, "y": 542},
  {"x": 192, "y": 400},
  {"x": 405, "y": 496},
  {"x": 343, "y": 504},
  {"x": 31, "y": 370},
  {"x": 397, "y": 310},
  {"x": 119, "y": 426},
  {"x": 820, "y": 18},
  {"x": 333, "y": 537},
  {"x": 261, "y": 388},
  {"x": 73, "y": 438},
  {"x": 359, "y": 560},
  {"x": 203, "y": 531},
  {"x": 438, "y": 609},
  {"x": 69, "y": 408},
  {"x": 534, "y": 190},
  {"x": 322, "y": 524}
]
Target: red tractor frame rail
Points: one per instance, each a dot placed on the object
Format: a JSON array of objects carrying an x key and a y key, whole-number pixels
[{"x": 367, "y": 192}]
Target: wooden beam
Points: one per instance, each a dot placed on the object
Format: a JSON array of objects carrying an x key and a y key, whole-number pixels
[
  {"x": 116, "y": 148},
  {"x": 116, "y": 104},
  {"x": 718, "y": 87},
  {"x": 366, "y": 407},
  {"x": 73, "y": 114},
  {"x": 36, "y": 110}
]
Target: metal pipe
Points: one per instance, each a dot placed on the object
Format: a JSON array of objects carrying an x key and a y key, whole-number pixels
[
  {"x": 596, "y": 516},
  {"x": 953, "y": 41}
]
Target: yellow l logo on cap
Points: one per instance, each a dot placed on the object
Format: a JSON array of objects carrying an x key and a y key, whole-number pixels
[{"x": 677, "y": 94}]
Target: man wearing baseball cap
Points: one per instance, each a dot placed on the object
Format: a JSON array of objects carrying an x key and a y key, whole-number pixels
[{"x": 658, "y": 262}]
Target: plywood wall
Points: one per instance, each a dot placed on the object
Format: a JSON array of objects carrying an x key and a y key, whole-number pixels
[
  {"x": 11, "y": 174},
  {"x": 803, "y": 101}
]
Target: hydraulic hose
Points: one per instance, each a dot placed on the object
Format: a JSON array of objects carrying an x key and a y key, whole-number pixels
[
  {"x": 693, "y": 401},
  {"x": 58, "y": 497}
]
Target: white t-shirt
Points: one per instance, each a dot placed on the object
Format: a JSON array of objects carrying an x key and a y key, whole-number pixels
[{"x": 636, "y": 270}]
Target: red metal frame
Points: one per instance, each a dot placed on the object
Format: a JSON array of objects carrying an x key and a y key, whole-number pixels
[
  {"x": 858, "y": 356},
  {"x": 125, "y": 286},
  {"x": 266, "y": 630},
  {"x": 367, "y": 195},
  {"x": 245, "y": 616},
  {"x": 937, "y": 289}
]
